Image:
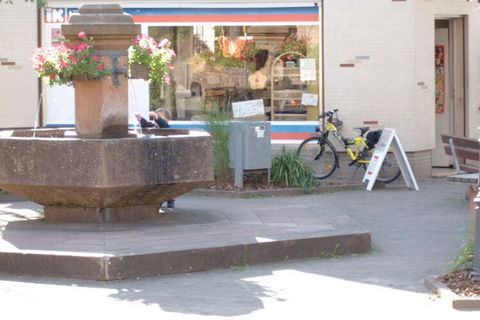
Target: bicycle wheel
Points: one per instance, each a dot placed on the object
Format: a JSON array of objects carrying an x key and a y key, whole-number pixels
[
  {"x": 389, "y": 171},
  {"x": 320, "y": 154}
]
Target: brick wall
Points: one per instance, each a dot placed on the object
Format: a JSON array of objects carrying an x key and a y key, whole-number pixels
[
  {"x": 379, "y": 65},
  {"x": 18, "y": 82}
]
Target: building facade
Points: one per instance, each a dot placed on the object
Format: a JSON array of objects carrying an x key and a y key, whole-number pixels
[{"x": 408, "y": 65}]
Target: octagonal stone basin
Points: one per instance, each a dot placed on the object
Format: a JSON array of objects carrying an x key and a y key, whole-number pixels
[{"x": 103, "y": 180}]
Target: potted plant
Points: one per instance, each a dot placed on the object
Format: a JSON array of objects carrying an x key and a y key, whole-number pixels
[
  {"x": 62, "y": 63},
  {"x": 292, "y": 44},
  {"x": 149, "y": 59}
]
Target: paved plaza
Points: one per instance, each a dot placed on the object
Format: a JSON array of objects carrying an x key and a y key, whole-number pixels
[{"x": 414, "y": 235}]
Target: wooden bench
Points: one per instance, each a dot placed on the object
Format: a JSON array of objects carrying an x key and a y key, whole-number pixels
[{"x": 465, "y": 154}]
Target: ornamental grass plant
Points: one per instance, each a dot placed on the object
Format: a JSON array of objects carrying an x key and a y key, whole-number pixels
[
  {"x": 218, "y": 127},
  {"x": 465, "y": 257},
  {"x": 289, "y": 170}
]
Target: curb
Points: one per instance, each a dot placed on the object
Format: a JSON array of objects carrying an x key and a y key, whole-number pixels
[
  {"x": 450, "y": 297},
  {"x": 268, "y": 193},
  {"x": 7, "y": 197}
]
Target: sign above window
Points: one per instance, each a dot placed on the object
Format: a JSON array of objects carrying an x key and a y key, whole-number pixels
[{"x": 226, "y": 16}]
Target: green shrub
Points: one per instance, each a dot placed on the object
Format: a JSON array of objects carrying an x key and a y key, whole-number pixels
[
  {"x": 465, "y": 256},
  {"x": 218, "y": 127},
  {"x": 290, "y": 170}
]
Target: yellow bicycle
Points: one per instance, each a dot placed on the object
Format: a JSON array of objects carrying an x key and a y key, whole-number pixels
[{"x": 321, "y": 154}]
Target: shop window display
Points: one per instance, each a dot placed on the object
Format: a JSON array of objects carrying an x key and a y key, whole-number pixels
[{"x": 218, "y": 65}]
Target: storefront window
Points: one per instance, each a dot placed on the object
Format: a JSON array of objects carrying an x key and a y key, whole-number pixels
[{"x": 216, "y": 66}]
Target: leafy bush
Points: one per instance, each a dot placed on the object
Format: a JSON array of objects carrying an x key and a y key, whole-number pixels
[
  {"x": 290, "y": 170},
  {"x": 218, "y": 127}
]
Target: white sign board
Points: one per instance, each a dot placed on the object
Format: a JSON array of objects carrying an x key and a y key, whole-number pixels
[
  {"x": 248, "y": 108},
  {"x": 309, "y": 99},
  {"x": 389, "y": 140},
  {"x": 308, "y": 70}
]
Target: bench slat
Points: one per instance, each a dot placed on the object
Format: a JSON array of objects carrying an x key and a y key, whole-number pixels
[
  {"x": 462, "y": 142},
  {"x": 467, "y": 154},
  {"x": 463, "y": 153},
  {"x": 469, "y": 168},
  {"x": 447, "y": 150}
]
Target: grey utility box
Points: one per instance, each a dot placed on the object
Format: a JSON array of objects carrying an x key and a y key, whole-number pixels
[{"x": 250, "y": 147}]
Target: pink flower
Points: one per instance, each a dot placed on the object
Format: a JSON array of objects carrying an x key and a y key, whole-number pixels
[
  {"x": 163, "y": 43},
  {"x": 167, "y": 79},
  {"x": 96, "y": 58},
  {"x": 101, "y": 67},
  {"x": 82, "y": 35},
  {"x": 82, "y": 46}
]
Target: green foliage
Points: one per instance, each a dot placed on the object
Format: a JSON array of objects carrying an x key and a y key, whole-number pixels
[
  {"x": 59, "y": 64},
  {"x": 156, "y": 56},
  {"x": 218, "y": 127},
  {"x": 465, "y": 256},
  {"x": 290, "y": 170}
]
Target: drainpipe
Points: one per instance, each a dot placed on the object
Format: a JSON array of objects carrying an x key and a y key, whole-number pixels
[
  {"x": 322, "y": 8},
  {"x": 476, "y": 259},
  {"x": 39, "y": 44}
]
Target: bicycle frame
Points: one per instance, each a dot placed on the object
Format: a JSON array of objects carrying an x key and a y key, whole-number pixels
[{"x": 358, "y": 143}]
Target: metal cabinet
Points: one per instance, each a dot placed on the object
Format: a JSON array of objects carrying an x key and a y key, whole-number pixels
[{"x": 250, "y": 147}]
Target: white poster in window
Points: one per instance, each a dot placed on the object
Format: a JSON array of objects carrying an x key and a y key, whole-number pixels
[
  {"x": 308, "y": 70},
  {"x": 248, "y": 108},
  {"x": 309, "y": 99}
]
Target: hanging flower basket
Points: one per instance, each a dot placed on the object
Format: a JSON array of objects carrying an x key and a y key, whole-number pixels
[
  {"x": 139, "y": 71},
  {"x": 155, "y": 56},
  {"x": 293, "y": 47}
]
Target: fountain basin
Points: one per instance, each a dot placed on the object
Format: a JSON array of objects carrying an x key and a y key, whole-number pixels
[{"x": 103, "y": 180}]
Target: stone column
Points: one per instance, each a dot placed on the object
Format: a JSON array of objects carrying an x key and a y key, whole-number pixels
[{"x": 101, "y": 106}]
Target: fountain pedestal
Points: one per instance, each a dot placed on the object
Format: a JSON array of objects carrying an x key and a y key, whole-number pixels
[{"x": 101, "y": 106}]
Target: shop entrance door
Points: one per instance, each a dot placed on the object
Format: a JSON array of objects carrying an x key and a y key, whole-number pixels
[{"x": 449, "y": 84}]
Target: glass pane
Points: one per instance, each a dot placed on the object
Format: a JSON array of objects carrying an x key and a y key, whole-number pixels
[{"x": 218, "y": 65}]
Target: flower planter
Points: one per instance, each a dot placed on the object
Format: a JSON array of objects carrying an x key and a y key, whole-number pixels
[
  {"x": 100, "y": 110},
  {"x": 139, "y": 71},
  {"x": 84, "y": 77}
]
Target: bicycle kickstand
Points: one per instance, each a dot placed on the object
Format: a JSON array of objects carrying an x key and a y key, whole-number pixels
[{"x": 354, "y": 173}]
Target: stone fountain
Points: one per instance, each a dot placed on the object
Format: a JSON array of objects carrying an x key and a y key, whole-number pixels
[{"x": 101, "y": 172}]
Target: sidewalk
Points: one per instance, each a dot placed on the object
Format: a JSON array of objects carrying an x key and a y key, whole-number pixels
[{"x": 414, "y": 235}]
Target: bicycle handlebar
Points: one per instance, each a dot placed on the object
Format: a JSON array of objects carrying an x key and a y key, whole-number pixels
[{"x": 329, "y": 113}]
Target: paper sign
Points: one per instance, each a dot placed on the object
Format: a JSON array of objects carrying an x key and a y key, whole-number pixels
[
  {"x": 260, "y": 131},
  {"x": 308, "y": 70},
  {"x": 248, "y": 108},
  {"x": 309, "y": 99}
]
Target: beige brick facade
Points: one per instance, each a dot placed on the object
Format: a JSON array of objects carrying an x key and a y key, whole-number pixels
[
  {"x": 18, "y": 82},
  {"x": 379, "y": 65}
]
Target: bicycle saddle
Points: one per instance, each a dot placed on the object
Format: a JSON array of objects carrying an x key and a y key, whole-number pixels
[{"x": 362, "y": 130}]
